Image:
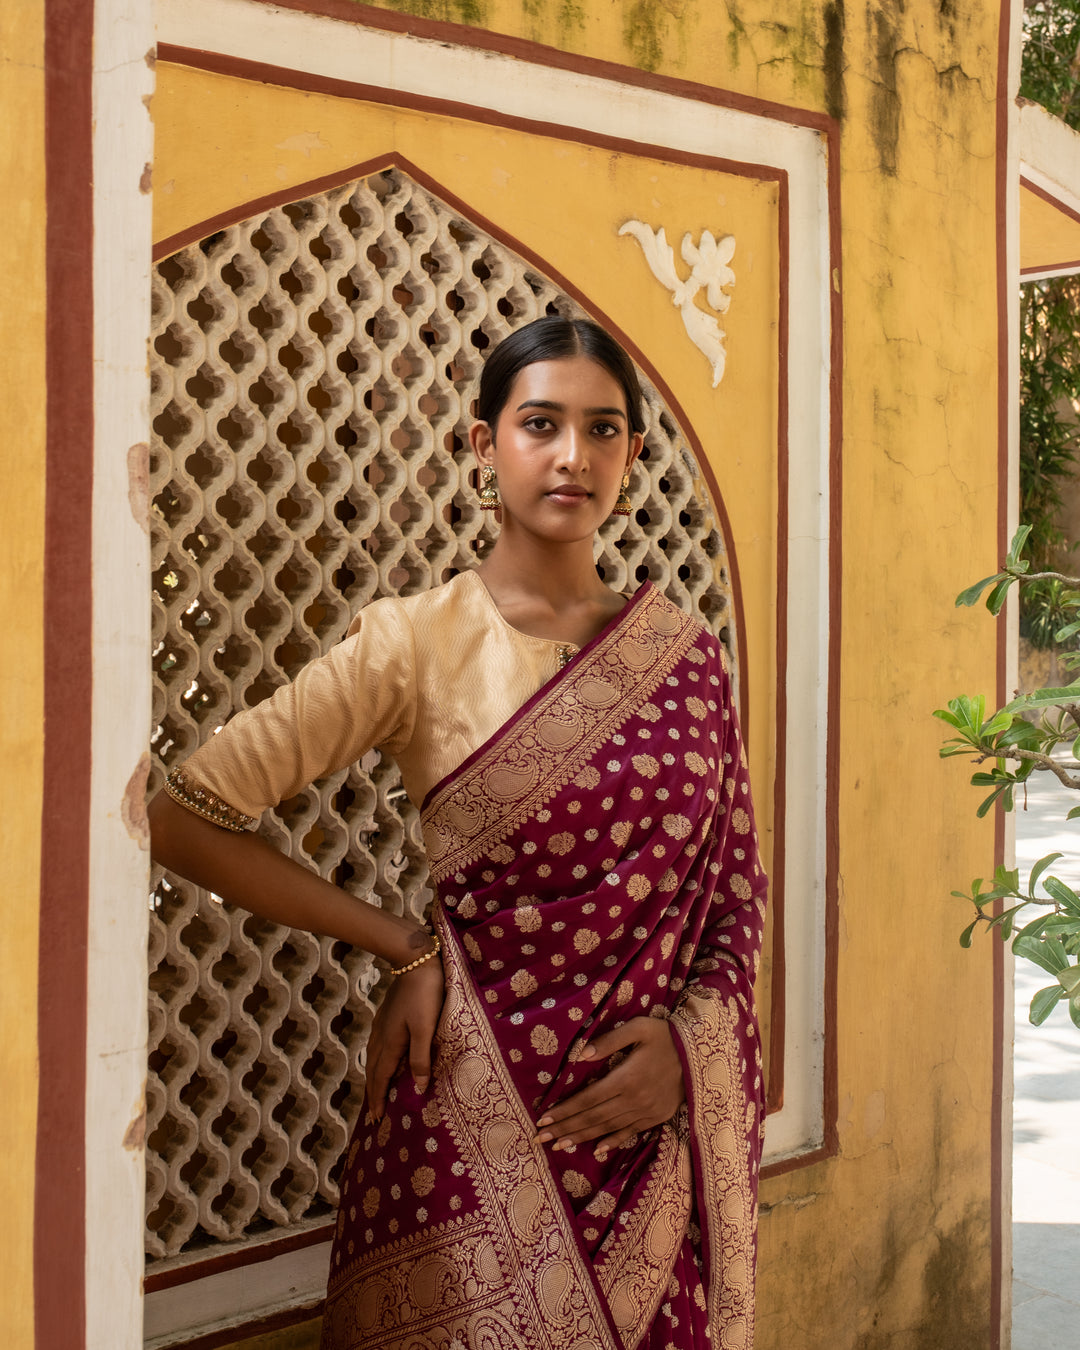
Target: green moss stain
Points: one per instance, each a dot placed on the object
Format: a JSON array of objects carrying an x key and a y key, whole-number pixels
[
  {"x": 476, "y": 13},
  {"x": 834, "y": 59},
  {"x": 643, "y": 33},
  {"x": 884, "y": 107}
]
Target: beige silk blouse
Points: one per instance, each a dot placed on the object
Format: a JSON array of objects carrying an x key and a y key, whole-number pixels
[{"x": 428, "y": 679}]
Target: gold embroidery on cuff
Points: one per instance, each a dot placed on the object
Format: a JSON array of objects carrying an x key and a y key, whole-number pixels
[{"x": 184, "y": 789}]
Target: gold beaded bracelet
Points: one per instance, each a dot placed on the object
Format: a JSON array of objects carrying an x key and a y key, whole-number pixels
[{"x": 420, "y": 959}]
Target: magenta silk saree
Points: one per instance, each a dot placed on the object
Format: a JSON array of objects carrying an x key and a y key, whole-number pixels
[{"x": 595, "y": 860}]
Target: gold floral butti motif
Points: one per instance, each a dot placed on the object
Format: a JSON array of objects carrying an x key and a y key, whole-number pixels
[
  {"x": 723, "y": 1115},
  {"x": 556, "y": 737}
]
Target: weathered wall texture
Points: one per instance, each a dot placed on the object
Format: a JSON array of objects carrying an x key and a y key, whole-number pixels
[{"x": 22, "y": 339}]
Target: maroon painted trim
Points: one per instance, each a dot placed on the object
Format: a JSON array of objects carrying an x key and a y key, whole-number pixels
[
  {"x": 795, "y": 1164},
  {"x": 1052, "y": 269},
  {"x": 539, "y": 54},
  {"x": 297, "y": 192},
  {"x": 245, "y": 1256},
  {"x": 1006, "y": 284},
  {"x": 1055, "y": 202},
  {"x": 281, "y": 1321},
  {"x": 60, "y": 1167}
]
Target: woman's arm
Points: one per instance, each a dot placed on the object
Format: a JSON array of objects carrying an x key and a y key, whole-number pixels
[{"x": 247, "y": 871}]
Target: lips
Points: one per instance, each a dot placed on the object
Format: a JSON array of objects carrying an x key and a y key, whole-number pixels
[{"x": 569, "y": 490}]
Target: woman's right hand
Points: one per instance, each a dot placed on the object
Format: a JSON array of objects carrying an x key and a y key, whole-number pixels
[{"x": 404, "y": 1028}]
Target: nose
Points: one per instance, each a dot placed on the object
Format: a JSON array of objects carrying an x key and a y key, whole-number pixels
[{"x": 573, "y": 450}]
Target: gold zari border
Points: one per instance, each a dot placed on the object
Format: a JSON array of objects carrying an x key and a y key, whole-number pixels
[
  {"x": 708, "y": 1026},
  {"x": 543, "y": 750}
]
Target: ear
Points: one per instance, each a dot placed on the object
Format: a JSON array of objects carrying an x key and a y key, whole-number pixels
[
  {"x": 637, "y": 440},
  {"x": 482, "y": 442}
]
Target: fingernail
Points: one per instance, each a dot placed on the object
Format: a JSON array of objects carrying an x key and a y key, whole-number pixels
[
  {"x": 544, "y": 1137},
  {"x": 587, "y": 1053},
  {"x": 421, "y": 1084},
  {"x": 558, "y": 1144},
  {"x": 544, "y": 1120}
]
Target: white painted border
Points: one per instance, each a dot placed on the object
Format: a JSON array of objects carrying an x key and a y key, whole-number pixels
[
  {"x": 512, "y": 87},
  {"x": 120, "y": 716}
]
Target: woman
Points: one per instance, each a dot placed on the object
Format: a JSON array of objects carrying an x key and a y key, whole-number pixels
[{"x": 570, "y": 1158}]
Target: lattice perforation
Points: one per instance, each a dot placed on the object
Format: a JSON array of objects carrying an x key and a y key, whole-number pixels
[{"x": 313, "y": 374}]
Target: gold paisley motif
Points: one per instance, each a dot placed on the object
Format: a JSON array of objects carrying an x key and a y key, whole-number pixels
[{"x": 506, "y": 784}]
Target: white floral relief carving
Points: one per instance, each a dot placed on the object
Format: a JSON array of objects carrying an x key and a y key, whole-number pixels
[{"x": 709, "y": 271}]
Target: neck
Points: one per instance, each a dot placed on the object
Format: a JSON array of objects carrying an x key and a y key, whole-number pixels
[{"x": 559, "y": 576}]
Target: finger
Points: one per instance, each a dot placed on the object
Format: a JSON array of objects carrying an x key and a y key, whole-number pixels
[
  {"x": 420, "y": 1061},
  {"x": 589, "y": 1125},
  {"x": 585, "y": 1100},
  {"x": 611, "y": 1141},
  {"x": 630, "y": 1033},
  {"x": 381, "y": 1074}
]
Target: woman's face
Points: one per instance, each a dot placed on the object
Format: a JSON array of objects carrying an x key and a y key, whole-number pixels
[{"x": 560, "y": 447}]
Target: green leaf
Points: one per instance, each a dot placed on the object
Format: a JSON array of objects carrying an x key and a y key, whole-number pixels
[
  {"x": 1044, "y": 1003},
  {"x": 996, "y": 599},
  {"x": 1019, "y": 539},
  {"x": 1063, "y": 894},
  {"x": 1033, "y": 929},
  {"x": 1073, "y": 813},
  {"x": 1070, "y": 981},
  {"x": 1040, "y": 867},
  {"x": 1047, "y": 954},
  {"x": 965, "y": 936},
  {"x": 1074, "y": 1011},
  {"x": 971, "y": 595},
  {"x": 1044, "y": 698}
]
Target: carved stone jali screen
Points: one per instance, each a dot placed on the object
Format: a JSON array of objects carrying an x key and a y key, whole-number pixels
[{"x": 313, "y": 370}]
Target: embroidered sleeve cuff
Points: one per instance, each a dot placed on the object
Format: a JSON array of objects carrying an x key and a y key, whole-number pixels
[{"x": 183, "y": 789}]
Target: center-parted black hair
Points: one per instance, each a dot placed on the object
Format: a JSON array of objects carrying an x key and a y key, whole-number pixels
[{"x": 552, "y": 339}]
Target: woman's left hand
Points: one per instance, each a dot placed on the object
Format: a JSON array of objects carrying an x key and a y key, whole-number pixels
[{"x": 644, "y": 1089}]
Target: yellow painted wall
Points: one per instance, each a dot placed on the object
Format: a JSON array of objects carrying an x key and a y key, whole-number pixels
[
  {"x": 888, "y": 1244},
  {"x": 22, "y": 340}
]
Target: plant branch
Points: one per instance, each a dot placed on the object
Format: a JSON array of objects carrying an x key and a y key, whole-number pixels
[
  {"x": 1072, "y": 582},
  {"x": 1040, "y": 761}
]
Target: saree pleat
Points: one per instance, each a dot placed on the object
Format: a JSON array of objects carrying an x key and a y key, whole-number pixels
[{"x": 595, "y": 861}]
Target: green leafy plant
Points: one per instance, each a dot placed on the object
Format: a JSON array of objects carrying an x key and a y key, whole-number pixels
[
  {"x": 1014, "y": 742},
  {"x": 1050, "y": 69}
]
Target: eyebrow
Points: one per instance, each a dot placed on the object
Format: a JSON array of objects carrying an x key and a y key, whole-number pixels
[{"x": 560, "y": 407}]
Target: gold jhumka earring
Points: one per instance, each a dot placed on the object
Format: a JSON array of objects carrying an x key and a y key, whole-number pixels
[
  {"x": 623, "y": 505},
  {"x": 489, "y": 489}
]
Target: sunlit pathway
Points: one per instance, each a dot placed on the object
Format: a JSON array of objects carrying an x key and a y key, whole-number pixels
[{"x": 1046, "y": 1115}]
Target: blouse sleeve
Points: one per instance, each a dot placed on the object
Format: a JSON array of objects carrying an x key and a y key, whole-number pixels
[{"x": 361, "y": 694}]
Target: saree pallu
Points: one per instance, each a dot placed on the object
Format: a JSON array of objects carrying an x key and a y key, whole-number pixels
[{"x": 595, "y": 861}]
